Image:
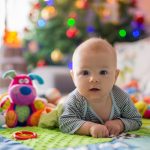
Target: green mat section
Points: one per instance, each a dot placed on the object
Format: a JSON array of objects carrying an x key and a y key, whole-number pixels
[
  {"x": 52, "y": 138},
  {"x": 55, "y": 139},
  {"x": 145, "y": 129}
]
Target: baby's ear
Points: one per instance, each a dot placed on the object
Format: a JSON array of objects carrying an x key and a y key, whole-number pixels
[
  {"x": 117, "y": 73},
  {"x": 72, "y": 75}
]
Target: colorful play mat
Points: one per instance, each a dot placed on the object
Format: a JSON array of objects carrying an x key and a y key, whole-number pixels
[{"x": 48, "y": 139}]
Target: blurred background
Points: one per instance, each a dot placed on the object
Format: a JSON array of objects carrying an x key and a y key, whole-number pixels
[{"x": 36, "y": 35}]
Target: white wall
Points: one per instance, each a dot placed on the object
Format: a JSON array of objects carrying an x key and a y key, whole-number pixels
[{"x": 17, "y": 15}]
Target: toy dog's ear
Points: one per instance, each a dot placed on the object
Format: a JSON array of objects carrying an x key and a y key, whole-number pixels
[
  {"x": 34, "y": 76},
  {"x": 10, "y": 74}
]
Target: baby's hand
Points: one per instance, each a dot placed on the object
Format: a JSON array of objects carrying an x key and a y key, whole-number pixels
[
  {"x": 98, "y": 130},
  {"x": 115, "y": 127}
]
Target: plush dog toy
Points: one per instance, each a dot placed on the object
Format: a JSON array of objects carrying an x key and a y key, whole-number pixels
[{"x": 21, "y": 105}]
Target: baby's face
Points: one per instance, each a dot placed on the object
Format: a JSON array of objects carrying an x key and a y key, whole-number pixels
[{"x": 94, "y": 72}]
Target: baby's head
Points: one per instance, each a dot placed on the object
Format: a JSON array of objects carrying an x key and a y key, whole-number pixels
[
  {"x": 94, "y": 69},
  {"x": 94, "y": 46}
]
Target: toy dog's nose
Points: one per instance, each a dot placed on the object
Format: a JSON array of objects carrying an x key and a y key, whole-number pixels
[{"x": 25, "y": 90}]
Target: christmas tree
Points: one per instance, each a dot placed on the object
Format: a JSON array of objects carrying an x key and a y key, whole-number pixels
[{"x": 58, "y": 26}]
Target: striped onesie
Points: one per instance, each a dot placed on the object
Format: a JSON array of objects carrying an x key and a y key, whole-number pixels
[{"x": 77, "y": 111}]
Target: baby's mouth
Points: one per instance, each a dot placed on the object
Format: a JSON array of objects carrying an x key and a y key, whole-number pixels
[{"x": 94, "y": 89}]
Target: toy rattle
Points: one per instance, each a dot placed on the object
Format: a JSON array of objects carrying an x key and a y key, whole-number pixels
[{"x": 24, "y": 135}]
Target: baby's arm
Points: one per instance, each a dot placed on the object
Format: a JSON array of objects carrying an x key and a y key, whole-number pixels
[
  {"x": 72, "y": 120},
  {"x": 93, "y": 129},
  {"x": 130, "y": 116}
]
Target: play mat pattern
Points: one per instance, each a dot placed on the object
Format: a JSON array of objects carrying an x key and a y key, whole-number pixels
[{"x": 54, "y": 139}]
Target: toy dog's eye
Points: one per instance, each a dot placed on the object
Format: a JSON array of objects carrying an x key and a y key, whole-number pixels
[
  {"x": 26, "y": 81},
  {"x": 21, "y": 81}
]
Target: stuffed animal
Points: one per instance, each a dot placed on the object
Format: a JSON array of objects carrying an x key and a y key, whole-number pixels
[{"x": 21, "y": 105}]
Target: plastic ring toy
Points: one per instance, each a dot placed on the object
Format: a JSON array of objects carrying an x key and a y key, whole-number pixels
[{"x": 24, "y": 135}]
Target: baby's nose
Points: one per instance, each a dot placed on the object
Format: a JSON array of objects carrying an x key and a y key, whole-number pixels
[{"x": 94, "y": 79}]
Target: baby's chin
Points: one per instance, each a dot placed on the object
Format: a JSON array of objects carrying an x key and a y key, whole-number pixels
[{"x": 93, "y": 98}]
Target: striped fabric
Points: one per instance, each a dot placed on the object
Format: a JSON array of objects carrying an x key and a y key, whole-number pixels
[{"x": 77, "y": 111}]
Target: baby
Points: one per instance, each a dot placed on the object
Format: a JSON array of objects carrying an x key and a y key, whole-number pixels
[{"x": 97, "y": 107}]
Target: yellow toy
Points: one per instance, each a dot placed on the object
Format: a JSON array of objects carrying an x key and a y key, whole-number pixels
[{"x": 144, "y": 108}]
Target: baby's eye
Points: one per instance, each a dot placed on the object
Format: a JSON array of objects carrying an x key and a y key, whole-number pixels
[
  {"x": 85, "y": 72},
  {"x": 103, "y": 72}
]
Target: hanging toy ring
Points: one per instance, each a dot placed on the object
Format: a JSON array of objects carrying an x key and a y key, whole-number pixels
[{"x": 24, "y": 135}]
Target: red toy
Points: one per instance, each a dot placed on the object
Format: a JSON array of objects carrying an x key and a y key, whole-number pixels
[{"x": 24, "y": 135}]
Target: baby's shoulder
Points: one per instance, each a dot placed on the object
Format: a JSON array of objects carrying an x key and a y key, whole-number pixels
[
  {"x": 119, "y": 94},
  {"x": 74, "y": 98}
]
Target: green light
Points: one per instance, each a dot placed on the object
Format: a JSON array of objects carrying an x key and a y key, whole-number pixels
[
  {"x": 122, "y": 33},
  {"x": 71, "y": 22}
]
